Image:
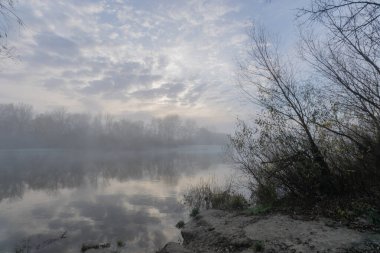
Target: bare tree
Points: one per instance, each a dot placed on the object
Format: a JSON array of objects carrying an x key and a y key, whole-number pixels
[
  {"x": 287, "y": 135},
  {"x": 348, "y": 59},
  {"x": 319, "y": 134},
  {"x": 7, "y": 17}
]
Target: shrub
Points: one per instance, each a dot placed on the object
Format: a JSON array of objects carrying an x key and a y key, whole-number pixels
[
  {"x": 120, "y": 243},
  {"x": 194, "y": 212},
  {"x": 259, "y": 209},
  {"x": 220, "y": 200},
  {"x": 258, "y": 246},
  {"x": 374, "y": 217},
  {"x": 266, "y": 194},
  {"x": 180, "y": 224},
  {"x": 237, "y": 202}
]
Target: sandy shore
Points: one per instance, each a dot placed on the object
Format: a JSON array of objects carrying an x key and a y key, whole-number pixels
[{"x": 221, "y": 231}]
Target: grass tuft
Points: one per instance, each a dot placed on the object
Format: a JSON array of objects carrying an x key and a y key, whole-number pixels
[{"x": 209, "y": 194}]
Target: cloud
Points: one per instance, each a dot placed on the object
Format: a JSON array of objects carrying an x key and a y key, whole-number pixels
[
  {"x": 54, "y": 83},
  {"x": 140, "y": 55},
  {"x": 168, "y": 90},
  {"x": 54, "y": 44},
  {"x": 122, "y": 78}
]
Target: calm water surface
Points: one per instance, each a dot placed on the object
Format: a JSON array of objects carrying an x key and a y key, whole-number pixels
[{"x": 94, "y": 197}]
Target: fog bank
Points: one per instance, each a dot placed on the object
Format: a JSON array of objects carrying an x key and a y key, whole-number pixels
[{"x": 20, "y": 127}]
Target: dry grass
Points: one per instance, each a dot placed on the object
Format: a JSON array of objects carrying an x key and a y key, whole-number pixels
[{"x": 208, "y": 193}]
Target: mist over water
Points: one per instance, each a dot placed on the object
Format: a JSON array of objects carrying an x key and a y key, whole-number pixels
[
  {"x": 70, "y": 179},
  {"x": 21, "y": 127},
  {"x": 98, "y": 196}
]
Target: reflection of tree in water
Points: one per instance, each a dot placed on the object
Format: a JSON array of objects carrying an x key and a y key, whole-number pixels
[
  {"x": 54, "y": 170},
  {"x": 103, "y": 220},
  {"x": 144, "y": 221}
]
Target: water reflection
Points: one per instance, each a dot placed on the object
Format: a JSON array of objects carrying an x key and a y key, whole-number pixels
[{"x": 95, "y": 197}]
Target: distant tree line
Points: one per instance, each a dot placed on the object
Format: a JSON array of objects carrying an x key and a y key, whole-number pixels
[
  {"x": 20, "y": 127},
  {"x": 318, "y": 134}
]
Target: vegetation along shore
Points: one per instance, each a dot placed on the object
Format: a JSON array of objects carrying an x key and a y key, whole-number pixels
[{"x": 312, "y": 156}]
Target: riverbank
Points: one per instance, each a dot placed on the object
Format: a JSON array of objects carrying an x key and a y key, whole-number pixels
[{"x": 221, "y": 231}]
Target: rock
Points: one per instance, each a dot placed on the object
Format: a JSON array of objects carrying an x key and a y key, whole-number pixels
[{"x": 172, "y": 247}]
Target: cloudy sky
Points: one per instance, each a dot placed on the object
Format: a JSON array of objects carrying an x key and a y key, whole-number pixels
[{"x": 137, "y": 58}]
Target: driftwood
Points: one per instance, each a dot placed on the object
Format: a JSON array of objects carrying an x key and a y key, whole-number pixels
[
  {"x": 86, "y": 247},
  {"x": 27, "y": 245}
]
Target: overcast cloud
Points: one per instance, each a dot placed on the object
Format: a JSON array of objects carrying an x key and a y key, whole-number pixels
[{"x": 136, "y": 57}]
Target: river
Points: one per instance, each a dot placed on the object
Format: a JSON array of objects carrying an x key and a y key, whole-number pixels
[{"x": 59, "y": 200}]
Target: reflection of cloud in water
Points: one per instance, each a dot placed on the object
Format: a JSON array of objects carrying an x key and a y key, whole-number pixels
[
  {"x": 98, "y": 218},
  {"x": 95, "y": 198},
  {"x": 164, "y": 205},
  {"x": 107, "y": 219},
  {"x": 54, "y": 170}
]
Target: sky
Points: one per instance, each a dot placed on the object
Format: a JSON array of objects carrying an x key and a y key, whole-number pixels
[{"x": 138, "y": 59}]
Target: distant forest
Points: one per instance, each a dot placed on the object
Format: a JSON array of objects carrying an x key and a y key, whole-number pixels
[{"x": 20, "y": 127}]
